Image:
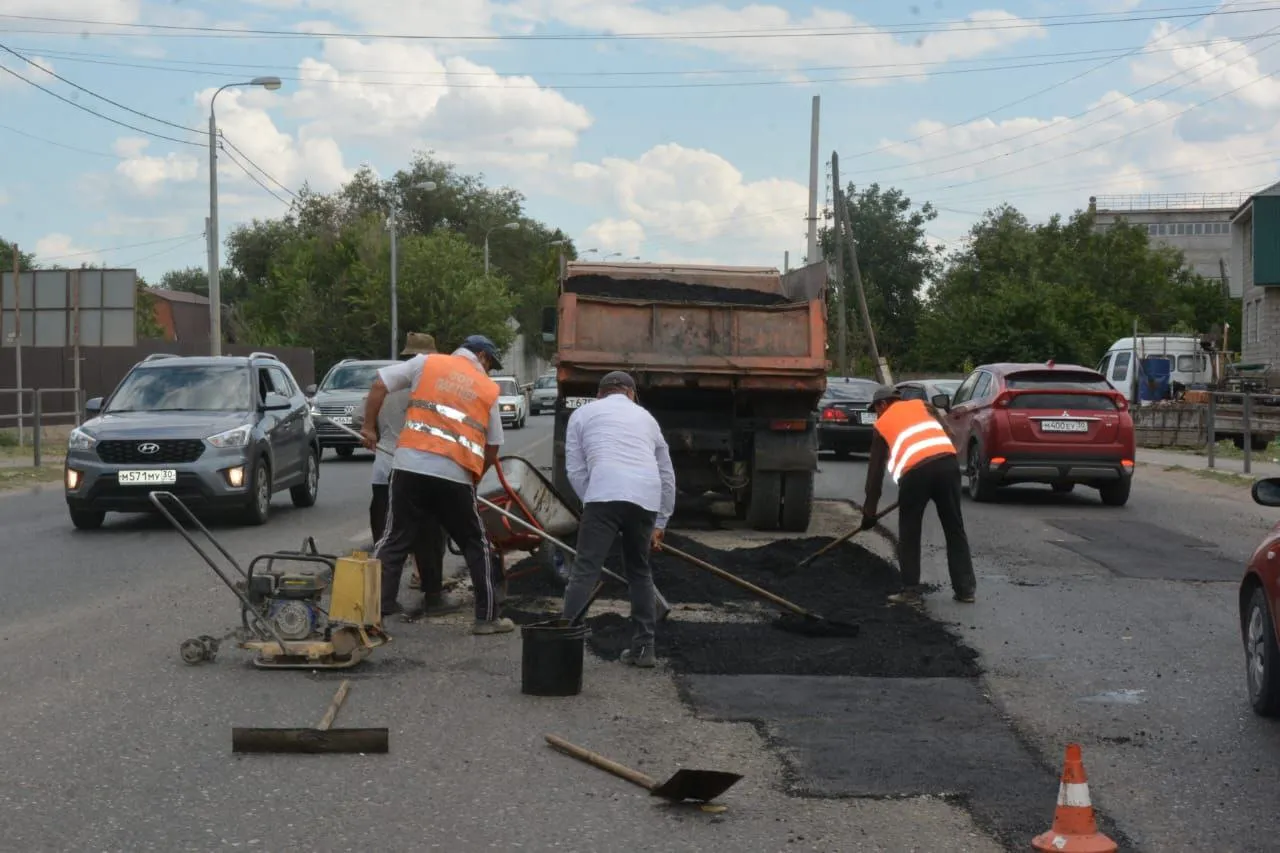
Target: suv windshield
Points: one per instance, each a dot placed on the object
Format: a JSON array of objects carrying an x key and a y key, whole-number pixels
[
  {"x": 183, "y": 388},
  {"x": 545, "y": 382},
  {"x": 354, "y": 377},
  {"x": 508, "y": 388}
]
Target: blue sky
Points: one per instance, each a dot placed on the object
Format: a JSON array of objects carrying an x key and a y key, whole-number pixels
[{"x": 648, "y": 132}]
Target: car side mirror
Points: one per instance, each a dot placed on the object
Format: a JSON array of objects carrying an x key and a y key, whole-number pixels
[
  {"x": 93, "y": 407},
  {"x": 276, "y": 402},
  {"x": 941, "y": 401},
  {"x": 549, "y": 321},
  {"x": 311, "y": 390},
  {"x": 1266, "y": 492}
]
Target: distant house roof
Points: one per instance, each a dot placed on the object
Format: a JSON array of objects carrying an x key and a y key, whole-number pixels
[{"x": 178, "y": 296}]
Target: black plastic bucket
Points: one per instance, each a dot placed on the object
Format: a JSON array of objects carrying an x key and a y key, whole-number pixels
[{"x": 551, "y": 658}]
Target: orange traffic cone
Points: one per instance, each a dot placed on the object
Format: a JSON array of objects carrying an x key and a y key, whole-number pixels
[{"x": 1074, "y": 828}]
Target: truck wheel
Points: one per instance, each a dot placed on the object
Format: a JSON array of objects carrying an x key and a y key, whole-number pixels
[
  {"x": 797, "y": 501},
  {"x": 765, "y": 509}
]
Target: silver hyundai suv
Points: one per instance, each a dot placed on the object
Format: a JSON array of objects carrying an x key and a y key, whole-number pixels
[{"x": 221, "y": 433}]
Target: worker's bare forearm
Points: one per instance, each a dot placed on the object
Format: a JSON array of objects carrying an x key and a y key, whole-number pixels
[
  {"x": 876, "y": 462},
  {"x": 373, "y": 404}
]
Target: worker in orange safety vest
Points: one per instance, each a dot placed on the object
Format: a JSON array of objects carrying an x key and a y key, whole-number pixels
[
  {"x": 451, "y": 435},
  {"x": 915, "y": 448}
]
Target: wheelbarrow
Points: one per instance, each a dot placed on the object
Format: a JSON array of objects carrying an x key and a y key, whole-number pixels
[{"x": 516, "y": 486}]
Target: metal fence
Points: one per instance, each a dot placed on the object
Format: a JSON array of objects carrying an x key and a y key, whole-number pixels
[{"x": 32, "y": 406}]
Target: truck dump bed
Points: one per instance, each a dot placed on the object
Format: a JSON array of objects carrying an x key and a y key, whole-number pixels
[{"x": 680, "y": 323}]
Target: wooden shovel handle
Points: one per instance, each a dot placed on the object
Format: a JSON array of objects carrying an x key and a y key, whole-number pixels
[
  {"x": 332, "y": 713},
  {"x": 734, "y": 579},
  {"x": 633, "y": 776}
]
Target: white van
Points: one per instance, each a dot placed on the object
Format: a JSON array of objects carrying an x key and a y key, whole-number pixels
[{"x": 1188, "y": 362}]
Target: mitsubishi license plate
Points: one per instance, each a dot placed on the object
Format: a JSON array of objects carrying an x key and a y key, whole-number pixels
[
  {"x": 1064, "y": 426},
  {"x": 149, "y": 477}
]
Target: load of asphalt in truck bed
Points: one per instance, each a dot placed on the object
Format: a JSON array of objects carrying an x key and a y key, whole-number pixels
[
  {"x": 848, "y": 584},
  {"x": 659, "y": 290}
]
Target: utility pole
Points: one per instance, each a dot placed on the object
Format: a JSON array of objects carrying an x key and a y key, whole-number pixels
[
  {"x": 395, "y": 298},
  {"x": 786, "y": 262},
  {"x": 813, "y": 184},
  {"x": 842, "y": 222},
  {"x": 17, "y": 332},
  {"x": 842, "y": 323}
]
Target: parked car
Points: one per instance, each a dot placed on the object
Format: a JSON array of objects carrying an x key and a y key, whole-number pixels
[
  {"x": 845, "y": 419},
  {"x": 544, "y": 394},
  {"x": 927, "y": 389},
  {"x": 222, "y": 433},
  {"x": 513, "y": 406},
  {"x": 1042, "y": 423},
  {"x": 1259, "y": 609},
  {"x": 340, "y": 399}
]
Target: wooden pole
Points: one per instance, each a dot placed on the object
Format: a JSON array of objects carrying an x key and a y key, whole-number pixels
[
  {"x": 881, "y": 371},
  {"x": 842, "y": 323}
]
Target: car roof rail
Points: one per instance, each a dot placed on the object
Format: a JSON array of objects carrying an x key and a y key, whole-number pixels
[
  {"x": 264, "y": 355},
  {"x": 155, "y": 356}
]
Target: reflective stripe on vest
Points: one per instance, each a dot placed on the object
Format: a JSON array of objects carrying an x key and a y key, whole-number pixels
[
  {"x": 449, "y": 412},
  {"x": 477, "y": 449},
  {"x": 913, "y": 435}
]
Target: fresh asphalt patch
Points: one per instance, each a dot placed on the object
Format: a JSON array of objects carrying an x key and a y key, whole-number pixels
[
  {"x": 897, "y": 711},
  {"x": 1144, "y": 551}
]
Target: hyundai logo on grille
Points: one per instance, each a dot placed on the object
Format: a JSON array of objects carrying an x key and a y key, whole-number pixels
[{"x": 148, "y": 448}]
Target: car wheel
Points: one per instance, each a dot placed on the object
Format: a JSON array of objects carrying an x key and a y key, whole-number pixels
[
  {"x": 1262, "y": 656},
  {"x": 259, "y": 506},
  {"x": 535, "y": 411},
  {"x": 87, "y": 519},
  {"x": 344, "y": 452},
  {"x": 1063, "y": 488},
  {"x": 1117, "y": 493},
  {"x": 981, "y": 487},
  {"x": 305, "y": 493}
]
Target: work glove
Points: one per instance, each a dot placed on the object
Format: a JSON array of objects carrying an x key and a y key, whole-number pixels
[{"x": 868, "y": 521}]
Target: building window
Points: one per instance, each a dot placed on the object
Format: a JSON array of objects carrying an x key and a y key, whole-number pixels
[
  {"x": 1199, "y": 228},
  {"x": 1151, "y": 230},
  {"x": 1161, "y": 229}
]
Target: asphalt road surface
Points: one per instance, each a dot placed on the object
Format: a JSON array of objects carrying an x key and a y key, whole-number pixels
[{"x": 1113, "y": 628}]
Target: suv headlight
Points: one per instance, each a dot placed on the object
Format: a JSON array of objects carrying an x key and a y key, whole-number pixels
[
  {"x": 238, "y": 437},
  {"x": 315, "y": 410},
  {"x": 79, "y": 440}
]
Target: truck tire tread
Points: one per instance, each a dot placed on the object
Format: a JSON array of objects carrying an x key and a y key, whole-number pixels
[{"x": 797, "y": 501}]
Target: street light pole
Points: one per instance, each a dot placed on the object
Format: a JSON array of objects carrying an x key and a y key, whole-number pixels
[
  {"x": 215, "y": 286},
  {"x": 509, "y": 226},
  {"x": 395, "y": 267}
]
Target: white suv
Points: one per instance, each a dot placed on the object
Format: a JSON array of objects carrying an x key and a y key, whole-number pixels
[{"x": 512, "y": 403}]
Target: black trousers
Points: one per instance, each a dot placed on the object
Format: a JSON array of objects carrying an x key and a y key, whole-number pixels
[
  {"x": 937, "y": 480},
  {"x": 428, "y": 549},
  {"x": 419, "y": 502}
]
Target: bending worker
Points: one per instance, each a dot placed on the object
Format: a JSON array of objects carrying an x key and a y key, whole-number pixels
[
  {"x": 619, "y": 465},
  {"x": 452, "y": 432},
  {"x": 914, "y": 446},
  {"x": 429, "y": 546}
]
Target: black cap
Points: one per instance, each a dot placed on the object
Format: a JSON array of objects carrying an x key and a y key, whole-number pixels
[
  {"x": 617, "y": 379},
  {"x": 886, "y": 392}
]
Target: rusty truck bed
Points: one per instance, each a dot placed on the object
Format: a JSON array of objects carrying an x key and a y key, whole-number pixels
[{"x": 710, "y": 344}]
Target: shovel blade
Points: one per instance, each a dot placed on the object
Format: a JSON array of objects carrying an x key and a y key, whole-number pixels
[
  {"x": 312, "y": 741},
  {"x": 701, "y": 786}
]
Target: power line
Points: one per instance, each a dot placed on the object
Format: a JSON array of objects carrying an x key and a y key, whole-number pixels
[
  {"x": 94, "y": 94},
  {"x": 264, "y": 172},
  {"x": 1039, "y": 92},
  {"x": 136, "y": 261},
  {"x": 118, "y": 248},
  {"x": 94, "y": 112},
  {"x": 1043, "y": 128},
  {"x": 57, "y": 144},
  {"x": 200, "y": 67},
  {"x": 912, "y": 28},
  {"x": 255, "y": 178}
]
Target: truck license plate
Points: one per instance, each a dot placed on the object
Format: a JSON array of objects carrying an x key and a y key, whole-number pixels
[
  {"x": 150, "y": 477},
  {"x": 1064, "y": 426},
  {"x": 576, "y": 402},
  {"x": 867, "y": 418}
]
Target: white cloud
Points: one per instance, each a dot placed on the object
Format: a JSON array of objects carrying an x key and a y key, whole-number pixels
[
  {"x": 36, "y": 74},
  {"x": 60, "y": 248},
  {"x": 981, "y": 32},
  {"x": 1221, "y": 66},
  {"x": 147, "y": 175},
  {"x": 613, "y": 235}
]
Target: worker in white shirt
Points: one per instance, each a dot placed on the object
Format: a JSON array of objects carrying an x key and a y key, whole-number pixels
[{"x": 619, "y": 465}]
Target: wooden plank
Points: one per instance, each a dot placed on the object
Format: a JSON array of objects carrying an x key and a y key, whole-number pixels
[{"x": 310, "y": 741}]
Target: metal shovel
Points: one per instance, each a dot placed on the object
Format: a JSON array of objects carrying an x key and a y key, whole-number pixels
[{"x": 701, "y": 786}]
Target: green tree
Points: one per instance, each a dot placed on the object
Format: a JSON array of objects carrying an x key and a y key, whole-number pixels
[
  {"x": 26, "y": 260},
  {"x": 145, "y": 326},
  {"x": 187, "y": 280}
]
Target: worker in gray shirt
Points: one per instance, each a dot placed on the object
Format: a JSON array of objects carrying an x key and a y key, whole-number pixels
[
  {"x": 620, "y": 466},
  {"x": 428, "y": 551}
]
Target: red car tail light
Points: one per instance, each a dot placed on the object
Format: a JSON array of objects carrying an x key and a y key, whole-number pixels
[
  {"x": 834, "y": 415},
  {"x": 1002, "y": 399}
]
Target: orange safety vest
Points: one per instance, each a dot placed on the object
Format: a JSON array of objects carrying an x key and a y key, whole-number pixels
[
  {"x": 913, "y": 436},
  {"x": 448, "y": 412}
]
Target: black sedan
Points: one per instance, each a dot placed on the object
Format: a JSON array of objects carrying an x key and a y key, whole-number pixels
[
  {"x": 927, "y": 389},
  {"x": 845, "y": 419}
]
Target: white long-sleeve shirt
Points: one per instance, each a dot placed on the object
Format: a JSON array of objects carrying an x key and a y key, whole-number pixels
[{"x": 614, "y": 451}]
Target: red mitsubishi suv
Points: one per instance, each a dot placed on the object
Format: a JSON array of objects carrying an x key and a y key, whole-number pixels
[{"x": 1042, "y": 423}]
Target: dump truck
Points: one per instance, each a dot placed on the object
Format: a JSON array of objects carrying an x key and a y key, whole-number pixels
[{"x": 731, "y": 361}]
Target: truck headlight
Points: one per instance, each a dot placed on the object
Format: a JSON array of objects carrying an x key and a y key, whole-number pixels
[
  {"x": 79, "y": 440},
  {"x": 238, "y": 437}
]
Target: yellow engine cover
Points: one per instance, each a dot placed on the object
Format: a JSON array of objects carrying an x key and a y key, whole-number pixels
[{"x": 356, "y": 595}]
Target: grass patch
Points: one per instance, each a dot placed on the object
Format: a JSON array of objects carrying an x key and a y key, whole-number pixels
[
  {"x": 53, "y": 443},
  {"x": 1228, "y": 477},
  {"x": 1228, "y": 450},
  {"x": 25, "y": 477}
]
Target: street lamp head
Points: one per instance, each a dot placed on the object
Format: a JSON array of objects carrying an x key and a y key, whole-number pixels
[
  {"x": 268, "y": 83},
  {"x": 512, "y": 226},
  {"x": 424, "y": 185}
]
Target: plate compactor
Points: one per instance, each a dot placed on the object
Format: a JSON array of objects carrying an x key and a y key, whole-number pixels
[{"x": 298, "y": 609}]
